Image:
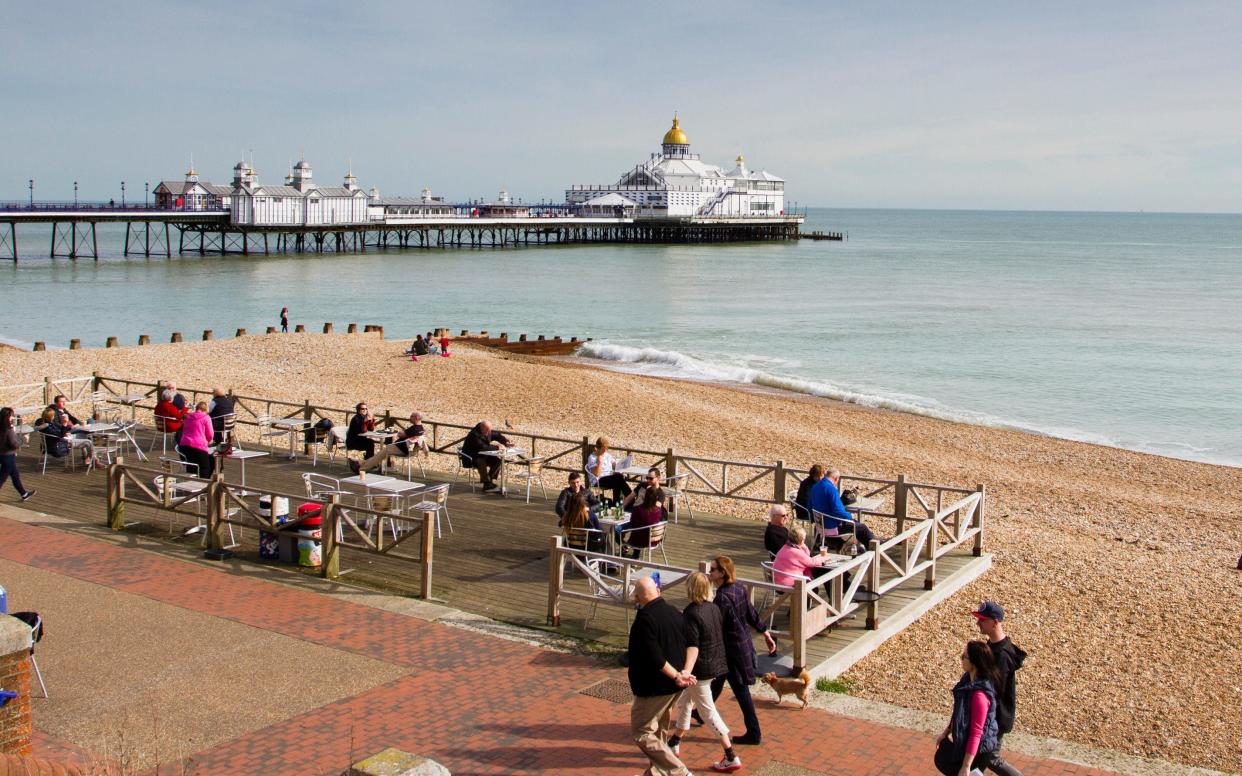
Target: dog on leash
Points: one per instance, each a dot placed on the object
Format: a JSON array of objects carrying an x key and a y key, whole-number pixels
[{"x": 793, "y": 685}]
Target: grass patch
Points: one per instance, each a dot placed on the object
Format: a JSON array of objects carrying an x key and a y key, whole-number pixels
[{"x": 839, "y": 686}]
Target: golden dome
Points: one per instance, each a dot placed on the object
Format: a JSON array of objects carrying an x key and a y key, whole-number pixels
[{"x": 675, "y": 136}]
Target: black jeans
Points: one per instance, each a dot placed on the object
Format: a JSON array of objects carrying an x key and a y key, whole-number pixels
[
  {"x": 620, "y": 488},
  {"x": 8, "y": 470},
  {"x": 949, "y": 762},
  {"x": 206, "y": 464},
  {"x": 741, "y": 691}
]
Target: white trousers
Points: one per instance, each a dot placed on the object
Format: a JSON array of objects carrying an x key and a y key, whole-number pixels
[{"x": 700, "y": 695}]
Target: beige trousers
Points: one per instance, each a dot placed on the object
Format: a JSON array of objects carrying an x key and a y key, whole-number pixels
[{"x": 649, "y": 720}]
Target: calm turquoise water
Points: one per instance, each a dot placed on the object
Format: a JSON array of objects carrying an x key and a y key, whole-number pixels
[{"x": 1117, "y": 328}]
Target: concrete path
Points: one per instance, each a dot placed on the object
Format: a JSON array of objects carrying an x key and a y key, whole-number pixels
[{"x": 151, "y": 657}]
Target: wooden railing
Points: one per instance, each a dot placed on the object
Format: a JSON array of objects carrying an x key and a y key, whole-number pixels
[
  {"x": 226, "y": 505},
  {"x": 27, "y": 396}
]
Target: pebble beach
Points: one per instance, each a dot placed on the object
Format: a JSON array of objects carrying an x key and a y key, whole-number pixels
[{"x": 1116, "y": 568}]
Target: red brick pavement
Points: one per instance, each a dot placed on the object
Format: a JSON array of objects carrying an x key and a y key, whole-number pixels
[{"x": 478, "y": 704}]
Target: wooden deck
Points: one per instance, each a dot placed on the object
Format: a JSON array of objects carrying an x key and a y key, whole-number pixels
[{"x": 495, "y": 561}]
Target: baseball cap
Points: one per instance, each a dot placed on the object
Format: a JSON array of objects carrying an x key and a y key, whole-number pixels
[{"x": 990, "y": 610}]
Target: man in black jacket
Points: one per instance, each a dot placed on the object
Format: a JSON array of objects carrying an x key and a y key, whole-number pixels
[
  {"x": 575, "y": 486},
  {"x": 657, "y": 649},
  {"x": 481, "y": 438},
  {"x": 1009, "y": 658}
]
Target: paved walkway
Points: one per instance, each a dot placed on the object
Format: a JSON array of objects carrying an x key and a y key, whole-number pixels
[{"x": 478, "y": 704}]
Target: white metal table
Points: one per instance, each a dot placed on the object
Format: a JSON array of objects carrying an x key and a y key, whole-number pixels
[
  {"x": 381, "y": 438},
  {"x": 243, "y": 456},
  {"x": 291, "y": 426},
  {"x": 505, "y": 454}
]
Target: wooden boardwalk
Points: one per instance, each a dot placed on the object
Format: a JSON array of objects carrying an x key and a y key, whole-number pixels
[{"x": 495, "y": 561}]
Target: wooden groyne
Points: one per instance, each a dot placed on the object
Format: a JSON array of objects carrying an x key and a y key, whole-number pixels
[{"x": 838, "y": 236}]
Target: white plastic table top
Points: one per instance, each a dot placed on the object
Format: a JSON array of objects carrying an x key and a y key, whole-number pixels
[
  {"x": 369, "y": 481},
  {"x": 393, "y": 485},
  {"x": 290, "y": 423}
]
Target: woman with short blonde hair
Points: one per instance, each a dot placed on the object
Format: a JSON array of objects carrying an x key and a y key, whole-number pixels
[
  {"x": 705, "y": 660},
  {"x": 602, "y": 471}
]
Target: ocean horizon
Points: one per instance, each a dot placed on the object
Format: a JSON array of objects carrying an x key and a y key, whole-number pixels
[{"x": 1114, "y": 328}]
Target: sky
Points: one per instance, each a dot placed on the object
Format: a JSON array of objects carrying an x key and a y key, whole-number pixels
[{"x": 1027, "y": 106}]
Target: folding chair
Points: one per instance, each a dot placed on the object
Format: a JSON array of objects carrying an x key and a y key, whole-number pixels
[{"x": 36, "y": 635}]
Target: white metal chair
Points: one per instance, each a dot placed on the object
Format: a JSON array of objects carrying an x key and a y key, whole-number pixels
[
  {"x": 435, "y": 500},
  {"x": 418, "y": 453},
  {"x": 226, "y": 427},
  {"x": 161, "y": 428},
  {"x": 829, "y": 529},
  {"x": 48, "y": 443},
  {"x": 674, "y": 490},
  {"x": 35, "y": 622},
  {"x": 654, "y": 540},
  {"x": 465, "y": 468},
  {"x": 769, "y": 572},
  {"x": 103, "y": 407},
  {"x": 331, "y": 441},
  {"x": 107, "y": 446},
  {"x": 268, "y": 432},
  {"x": 177, "y": 488},
  {"x": 531, "y": 472}
]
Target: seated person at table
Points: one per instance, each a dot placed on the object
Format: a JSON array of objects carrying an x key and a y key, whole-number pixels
[
  {"x": 481, "y": 438},
  {"x": 574, "y": 488},
  {"x": 826, "y": 498},
  {"x": 795, "y": 558},
  {"x": 220, "y": 406},
  {"x": 167, "y": 417},
  {"x": 362, "y": 422},
  {"x": 196, "y": 436},
  {"x": 802, "y": 501},
  {"x": 776, "y": 535},
  {"x": 579, "y": 515},
  {"x": 650, "y": 482},
  {"x": 176, "y": 398},
  {"x": 60, "y": 405},
  {"x": 57, "y": 438},
  {"x": 601, "y": 468},
  {"x": 407, "y": 442},
  {"x": 648, "y": 511}
]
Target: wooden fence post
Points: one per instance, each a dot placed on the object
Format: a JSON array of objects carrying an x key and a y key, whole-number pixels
[
  {"x": 556, "y": 580},
  {"x": 308, "y": 415},
  {"x": 778, "y": 486},
  {"x": 586, "y": 451},
  {"x": 929, "y": 553},
  {"x": 979, "y": 520},
  {"x": 899, "y": 502},
  {"x": 116, "y": 497},
  {"x": 216, "y": 510},
  {"x": 427, "y": 554},
  {"x": 797, "y": 632},
  {"x": 331, "y": 568},
  {"x": 873, "y": 583},
  {"x": 47, "y": 391}
]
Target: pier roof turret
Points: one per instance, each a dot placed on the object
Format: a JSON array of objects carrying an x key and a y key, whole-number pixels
[{"x": 675, "y": 134}]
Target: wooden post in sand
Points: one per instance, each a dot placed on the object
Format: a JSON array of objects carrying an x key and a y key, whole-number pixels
[
  {"x": 110, "y": 342},
  {"x": 351, "y": 328},
  {"x": 176, "y": 337},
  {"x": 241, "y": 332},
  {"x": 327, "y": 328},
  {"x": 75, "y": 344},
  {"x": 40, "y": 346},
  {"x": 271, "y": 330},
  {"x": 207, "y": 334},
  {"x": 978, "y": 550},
  {"x": 298, "y": 329},
  {"x": 144, "y": 339}
]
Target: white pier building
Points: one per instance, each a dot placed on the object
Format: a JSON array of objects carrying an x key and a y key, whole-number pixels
[
  {"x": 679, "y": 185},
  {"x": 299, "y": 202}
]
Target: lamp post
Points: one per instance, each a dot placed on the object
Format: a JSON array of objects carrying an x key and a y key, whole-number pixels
[
  {"x": 75, "y": 193},
  {"x": 30, "y": 183},
  {"x": 122, "y": 195},
  {"x": 146, "y": 193}
]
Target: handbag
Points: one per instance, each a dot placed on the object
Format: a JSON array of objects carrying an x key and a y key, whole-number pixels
[{"x": 849, "y": 496}]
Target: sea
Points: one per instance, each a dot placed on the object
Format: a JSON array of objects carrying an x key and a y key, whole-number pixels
[{"x": 1122, "y": 329}]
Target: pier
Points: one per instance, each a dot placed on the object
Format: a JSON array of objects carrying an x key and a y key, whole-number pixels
[{"x": 154, "y": 232}]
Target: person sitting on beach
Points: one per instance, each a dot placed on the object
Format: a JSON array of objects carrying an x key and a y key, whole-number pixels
[
  {"x": 650, "y": 482},
  {"x": 433, "y": 347},
  {"x": 601, "y": 468},
  {"x": 826, "y": 499},
  {"x": 795, "y": 559},
  {"x": 361, "y": 423},
  {"x": 802, "y": 501},
  {"x": 60, "y": 405},
  {"x": 776, "y": 535},
  {"x": 419, "y": 348},
  {"x": 579, "y": 515},
  {"x": 407, "y": 442},
  {"x": 481, "y": 438},
  {"x": 572, "y": 489},
  {"x": 219, "y": 409}
]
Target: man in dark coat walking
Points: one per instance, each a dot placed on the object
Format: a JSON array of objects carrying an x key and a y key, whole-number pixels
[
  {"x": 1009, "y": 658},
  {"x": 657, "y": 648}
]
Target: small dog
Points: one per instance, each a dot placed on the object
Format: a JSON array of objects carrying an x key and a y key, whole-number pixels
[{"x": 794, "y": 685}]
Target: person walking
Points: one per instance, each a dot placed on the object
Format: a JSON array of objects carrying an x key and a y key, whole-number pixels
[
  {"x": 657, "y": 646},
  {"x": 705, "y": 660},
  {"x": 738, "y": 614},
  {"x": 1009, "y": 658},
  {"x": 971, "y": 737},
  {"x": 284, "y": 320},
  {"x": 10, "y": 443}
]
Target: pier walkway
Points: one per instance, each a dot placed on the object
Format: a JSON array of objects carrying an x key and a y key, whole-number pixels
[{"x": 235, "y": 669}]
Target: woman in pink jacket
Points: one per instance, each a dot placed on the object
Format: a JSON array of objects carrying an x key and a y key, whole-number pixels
[
  {"x": 196, "y": 437},
  {"x": 795, "y": 558}
]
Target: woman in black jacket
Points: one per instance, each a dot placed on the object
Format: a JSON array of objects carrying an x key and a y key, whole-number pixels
[
  {"x": 10, "y": 442},
  {"x": 705, "y": 660}
]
